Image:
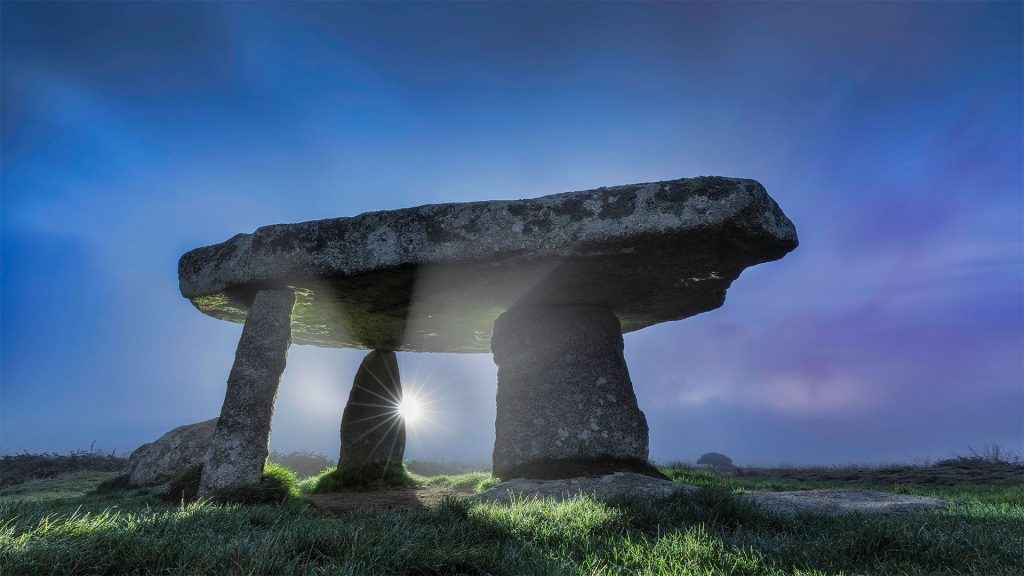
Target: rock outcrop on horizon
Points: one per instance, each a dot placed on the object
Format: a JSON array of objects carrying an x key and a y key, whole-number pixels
[{"x": 716, "y": 461}]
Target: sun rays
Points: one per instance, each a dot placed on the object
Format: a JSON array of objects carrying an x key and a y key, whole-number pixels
[
  {"x": 412, "y": 406},
  {"x": 409, "y": 408}
]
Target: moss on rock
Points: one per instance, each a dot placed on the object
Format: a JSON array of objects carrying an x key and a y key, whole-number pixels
[{"x": 368, "y": 477}]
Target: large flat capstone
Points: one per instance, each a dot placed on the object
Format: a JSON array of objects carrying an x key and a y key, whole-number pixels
[{"x": 434, "y": 278}]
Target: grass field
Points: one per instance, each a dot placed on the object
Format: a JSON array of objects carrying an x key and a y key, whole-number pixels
[{"x": 55, "y": 526}]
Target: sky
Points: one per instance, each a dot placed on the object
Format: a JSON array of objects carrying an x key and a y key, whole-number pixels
[{"x": 892, "y": 134}]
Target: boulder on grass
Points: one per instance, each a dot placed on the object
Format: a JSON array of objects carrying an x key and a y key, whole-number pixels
[{"x": 162, "y": 460}]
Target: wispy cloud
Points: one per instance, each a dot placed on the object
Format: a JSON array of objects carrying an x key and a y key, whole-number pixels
[{"x": 891, "y": 134}]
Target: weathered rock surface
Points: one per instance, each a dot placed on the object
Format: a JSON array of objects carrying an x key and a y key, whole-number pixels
[
  {"x": 842, "y": 502},
  {"x": 434, "y": 278},
  {"x": 372, "y": 433},
  {"x": 565, "y": 400},
  {"x": 241, "y": 443},
  {"x": 830, "y": 502},
  {"x": 161, "y": 460}
]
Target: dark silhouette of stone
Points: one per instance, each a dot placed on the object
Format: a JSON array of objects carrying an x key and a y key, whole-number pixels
[
  {"x": 163, "y": 459},
  {"x": 434, "y": 278},
  {"x": 566, "y": 406},
  {"x": 240, "y": 445},
  {"x": 372, "y": 432}
]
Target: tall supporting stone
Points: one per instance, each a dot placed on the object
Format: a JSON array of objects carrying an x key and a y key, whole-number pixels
[
  {"x": 566, "y": 405},
  {"x": 240, "y": 445},
  {"x": 372, "y": 432}
]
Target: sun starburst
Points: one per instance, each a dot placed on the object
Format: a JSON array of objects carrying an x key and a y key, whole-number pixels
[{"x": 410, "y": 408}]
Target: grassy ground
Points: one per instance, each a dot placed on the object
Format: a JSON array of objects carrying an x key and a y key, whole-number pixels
[
  {"x": 966, "y": 478},
  {"x": 56, "y": 529},
  {"x": 74, "y": 484}
]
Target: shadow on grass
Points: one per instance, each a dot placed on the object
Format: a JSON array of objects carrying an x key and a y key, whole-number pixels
[
  {"x": 341, "y": 502},
  {"x": 713, "y": 532},
  {"x": 91, "y": 535}
]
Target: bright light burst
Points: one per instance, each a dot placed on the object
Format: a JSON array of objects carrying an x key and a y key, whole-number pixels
[
  {"x": 415, "y": 407},
  {"x": 410, "y": 408}
]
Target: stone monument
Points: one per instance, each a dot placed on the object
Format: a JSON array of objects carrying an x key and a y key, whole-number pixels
[{"x": 549, "y": 285}]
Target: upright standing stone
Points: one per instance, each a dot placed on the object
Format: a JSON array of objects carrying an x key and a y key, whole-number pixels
[
  {"x": 566, "y": 405},
  {"x": 240, "y": 444},
  {"x": 372, "y": 431}
]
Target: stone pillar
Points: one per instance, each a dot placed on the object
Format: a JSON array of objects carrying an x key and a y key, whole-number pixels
[
  {"x": 240, "y": 444},
  {"x": 566, "y": 405},
  {"x": 372, "y": 432}
]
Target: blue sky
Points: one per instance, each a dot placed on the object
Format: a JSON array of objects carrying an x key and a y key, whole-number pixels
[{"x": 891, "y": 133}]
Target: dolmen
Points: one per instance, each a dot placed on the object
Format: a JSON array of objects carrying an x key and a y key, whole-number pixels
[{"x": 547, "y": 285}]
